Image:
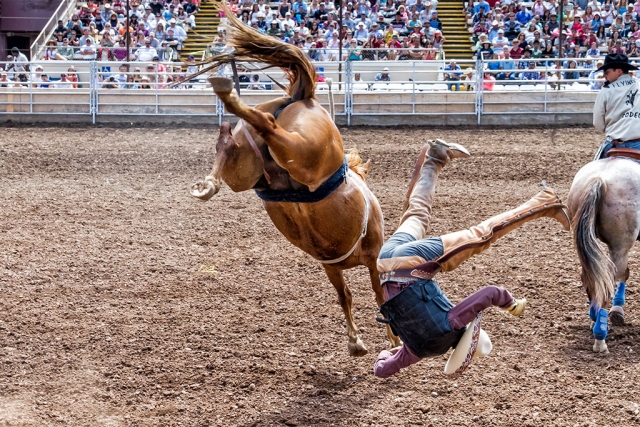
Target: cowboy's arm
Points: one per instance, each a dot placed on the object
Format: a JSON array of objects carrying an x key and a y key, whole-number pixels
[
  {"x": 599, "y": 111},
  {"x": 390, "y": 362}
]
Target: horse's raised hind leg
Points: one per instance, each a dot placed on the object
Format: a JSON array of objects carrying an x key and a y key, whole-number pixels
[
  {"x": 297, "y": 154},
  {"x": 356, "y": 346},
  {"x": 377, "y": 288}
]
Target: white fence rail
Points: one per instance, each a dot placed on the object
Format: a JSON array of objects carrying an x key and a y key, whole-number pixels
[{"x": 361, "y": 90}]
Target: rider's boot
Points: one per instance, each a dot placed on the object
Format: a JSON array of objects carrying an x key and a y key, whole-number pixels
[
  {"x": 417, "y": 206},
  {"x": 462, "y": 245}
]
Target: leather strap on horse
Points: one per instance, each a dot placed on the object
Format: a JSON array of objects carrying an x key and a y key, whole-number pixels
[
  {"x": 256, "y": 150},
  {"x": 236, "y": 78},
  {"x": 630, "y": 153},
  {"x": 303, "y": 195},
  {"x": 365, "y": 222}
]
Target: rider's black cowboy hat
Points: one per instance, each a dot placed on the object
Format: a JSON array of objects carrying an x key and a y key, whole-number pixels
[{"x": 617, "y": 60}]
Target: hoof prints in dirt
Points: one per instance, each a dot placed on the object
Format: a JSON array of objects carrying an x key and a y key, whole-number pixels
[{"x": 127, "y": 302}]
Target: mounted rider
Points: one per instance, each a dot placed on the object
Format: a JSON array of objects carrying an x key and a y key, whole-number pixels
[
  {"x": 416, "y": 308},
  {"x": 617, "y": 108}
]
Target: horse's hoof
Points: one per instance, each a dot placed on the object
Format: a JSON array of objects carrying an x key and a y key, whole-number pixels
[
  {"x": 221, "y": 84},
  {"x": 600, "y": 346},
  {"x": 357, "y": 349},
  {"x": 616, "y": 315},
  {"x": 204, "y": 190}
]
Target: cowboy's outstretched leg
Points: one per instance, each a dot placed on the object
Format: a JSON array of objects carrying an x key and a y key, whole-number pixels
[
  {"x": 408, "y": 247},
  {"x": 416, "y": 214},
  {"x": 462, "y": 245}
]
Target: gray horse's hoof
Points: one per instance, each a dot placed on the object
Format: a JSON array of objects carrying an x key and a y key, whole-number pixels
[
  {"x": 600, "y": 346},
  {"x": 221, "y": 84},
  {"x": 616, "y": 315}
]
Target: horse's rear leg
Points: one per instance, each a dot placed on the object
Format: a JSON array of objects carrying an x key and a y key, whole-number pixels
[
  {"x": 356, "y": 346},
  {"x": 377, "y": 289},
  {"x": 290, "y": 150},
  {"x": 620, "y": 257}
]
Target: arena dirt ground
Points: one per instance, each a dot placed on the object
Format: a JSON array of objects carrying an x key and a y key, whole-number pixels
[{"x": 105, "y": 319}]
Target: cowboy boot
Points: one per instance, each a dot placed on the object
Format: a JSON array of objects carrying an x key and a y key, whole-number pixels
[
  {"x": 462, "y": 245},
  {"x": 416, "y": 211}
]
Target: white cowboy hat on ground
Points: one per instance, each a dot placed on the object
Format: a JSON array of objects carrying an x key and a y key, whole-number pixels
[{"x": 475, "y": 342}]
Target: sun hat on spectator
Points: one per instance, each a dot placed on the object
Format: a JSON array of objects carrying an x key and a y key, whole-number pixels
[
  {"x": 494, "y": 23},
  {"x": 500, "y": 31},
  {"x": 172, "y": 21},
  {"x": 385, "y": 70}
]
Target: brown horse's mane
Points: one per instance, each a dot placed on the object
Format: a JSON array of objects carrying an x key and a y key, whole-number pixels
[
  {"x": 252, "y": 46},
  {"x": 355, "y": 163}
]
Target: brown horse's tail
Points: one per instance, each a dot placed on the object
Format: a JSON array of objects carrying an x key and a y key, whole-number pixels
[
  {"x": 597, "y": 267},
  {"x": 355, "y": 163},
  {"x": 252, "y": 46}
]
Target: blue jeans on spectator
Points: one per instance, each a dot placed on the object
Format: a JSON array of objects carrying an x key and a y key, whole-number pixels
[{"x": 457, "y": 84}]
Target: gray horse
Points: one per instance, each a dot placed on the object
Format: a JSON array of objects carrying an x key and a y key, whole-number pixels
[{"x": 604, "y": 204}]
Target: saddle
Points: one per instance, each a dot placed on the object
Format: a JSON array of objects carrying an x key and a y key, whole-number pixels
[{"x": 630, "y": 153}]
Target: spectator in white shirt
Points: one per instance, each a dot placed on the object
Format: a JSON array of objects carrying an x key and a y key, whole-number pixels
[
  {"x": 88, "y": 50},
  {"x": 178, "y": 32},
  {"x": 146, "y": 53}
]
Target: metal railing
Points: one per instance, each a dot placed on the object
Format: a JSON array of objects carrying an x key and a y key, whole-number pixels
[
  {"x": 361, "y": 89},
  {"x": 62, "y": 12}
]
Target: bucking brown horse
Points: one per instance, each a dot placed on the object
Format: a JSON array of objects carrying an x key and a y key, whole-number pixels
[{"x": 290, "y": 152}]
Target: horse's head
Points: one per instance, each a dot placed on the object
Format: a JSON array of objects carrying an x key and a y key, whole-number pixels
[{"x": 235, "y": 163}]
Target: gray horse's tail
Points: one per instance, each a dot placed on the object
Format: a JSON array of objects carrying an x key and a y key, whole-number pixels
[{"x": 597, "y": 267}]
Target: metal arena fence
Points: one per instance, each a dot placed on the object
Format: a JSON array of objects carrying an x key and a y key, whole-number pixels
[{"x": 382, "y": 92}]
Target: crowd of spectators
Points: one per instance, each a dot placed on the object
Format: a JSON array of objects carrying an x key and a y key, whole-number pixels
[
  {"x": 371, "y": 29},
  {"x": 98, "y": 30},
  {"x": 515, "y": 40},
  {"x": 509, "y": 35}
]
